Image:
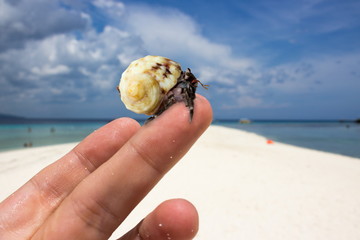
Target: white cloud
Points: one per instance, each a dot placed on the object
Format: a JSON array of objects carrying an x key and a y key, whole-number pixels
[
  {"x": 320, "y": 80},
  {"x": 92, "y": 64},
  {"x": 51, "y": 62},
  {"x": 21, "y": 21},
  {"x": 49, "y": 70},
  {"x": 65, "y": 65},
  {"x": 168, "y": 32},
  {"x": 113, "y": 8},
  {"x": 7, "y": 13},
  {"x": 321, "y": 74}
]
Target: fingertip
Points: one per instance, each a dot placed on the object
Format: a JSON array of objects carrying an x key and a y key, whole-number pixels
[
  {"x": 168, "y": 137},
  {"x": 172, "y": 219},
  {"x": 181, "y": 214},
  {"x": 125, "y": 122},
  {"x": 119, "y": 128},
  {"x": 205, "y": 110}
]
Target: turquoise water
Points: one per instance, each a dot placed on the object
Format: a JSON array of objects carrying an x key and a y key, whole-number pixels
[
  {"x": 330, "y": 136},
  {"x": 15, "y": 136}
]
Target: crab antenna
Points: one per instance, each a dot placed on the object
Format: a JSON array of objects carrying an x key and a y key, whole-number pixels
[
  {"x": 203, "y": 85},
  {"x": 206, "y": 86}
]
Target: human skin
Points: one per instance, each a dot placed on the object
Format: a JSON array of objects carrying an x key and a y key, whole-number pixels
[{"x": 90, "y": 191}]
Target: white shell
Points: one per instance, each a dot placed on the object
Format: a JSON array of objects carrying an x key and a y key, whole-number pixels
[{"x": 145, "y": 82}]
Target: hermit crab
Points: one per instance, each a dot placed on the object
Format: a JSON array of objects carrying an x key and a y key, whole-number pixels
[{"x": 152, "y": 84}]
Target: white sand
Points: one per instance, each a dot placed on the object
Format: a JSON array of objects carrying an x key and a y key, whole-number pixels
[{"x": 243, "y": 187}]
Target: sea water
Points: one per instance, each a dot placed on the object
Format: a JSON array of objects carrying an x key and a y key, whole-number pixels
[
  {"x": 41, "y": 133},
  {"x": 329, "y": 136}
]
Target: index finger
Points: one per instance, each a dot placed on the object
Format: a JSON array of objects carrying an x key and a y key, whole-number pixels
[
  {"x": 25, "y": 210},
  {"x": 103, "y": 200}
]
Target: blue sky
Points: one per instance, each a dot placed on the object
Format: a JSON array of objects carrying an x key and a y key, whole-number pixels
[{"x": 262, "y": 59}]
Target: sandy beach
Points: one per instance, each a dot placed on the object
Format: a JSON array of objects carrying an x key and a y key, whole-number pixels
[{"x": 242, "y": 187}]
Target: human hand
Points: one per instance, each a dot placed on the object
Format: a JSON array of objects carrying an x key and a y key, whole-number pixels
[{"x": 89, "y": 192}]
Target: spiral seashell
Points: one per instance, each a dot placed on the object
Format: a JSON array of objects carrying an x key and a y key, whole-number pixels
[{"x": 146, "y": 81}]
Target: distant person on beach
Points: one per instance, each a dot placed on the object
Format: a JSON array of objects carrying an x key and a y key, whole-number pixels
[
  {"x": 90, "y": 191},
  {"x": 28, "y": 144}
]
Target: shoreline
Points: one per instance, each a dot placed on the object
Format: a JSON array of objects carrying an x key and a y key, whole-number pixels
[
  {"x": 242, "y": 187},
  {"x": 213, "y": 124},
  {"x": 291, "y": 145}
]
